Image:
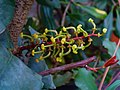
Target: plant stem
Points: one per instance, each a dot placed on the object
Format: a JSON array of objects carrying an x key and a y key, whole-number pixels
[
  {"x": 112, "y": 80},
  {"x": 64, "y": 14},
  {"x": 82, "y": 63},
  {"x": 107, "y": 69}
]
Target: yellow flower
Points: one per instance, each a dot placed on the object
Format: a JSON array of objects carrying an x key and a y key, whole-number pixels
[
  {"x": 99, "y": 34},
  {"x": 42, "y": 47},
  {"x": 63, "y": 40},
  {"x": 90, "y": 20},
  {"x": 64, "y": 29},
  {"x": 21, "y": 34},
  {"x": 41, "y": 57},
  {"x": 74, "y": 48},
  {"x": 58, "y": 59},
  {"x": 33, "y": 52},
  {"x": 52, "y": 39},
  {"x": 46, "y": 30},
  {"x": 35, "y": 36},
  {"x": 37, "y": 60},
  {"x": 104, "y": 30}
]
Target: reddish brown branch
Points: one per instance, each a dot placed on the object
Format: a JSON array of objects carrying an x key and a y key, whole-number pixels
[
  {"x": 112, "y": 80},
  {"x": 82, "y": 63}
]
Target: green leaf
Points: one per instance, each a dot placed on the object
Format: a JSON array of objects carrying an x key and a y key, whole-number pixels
[
  {"x": 6, "y": 13},
  {"x": 114, "y": 85},
  {"x": 84, "y": 80},
  {"x": 60, "y": 80},
  {"x": 111, "y": 46},
  {"x": 94, "y": 11},
  {"x": 39, "y": 67},
  {"x": 117, "y": 31},
  {"x": 108, "y": 23},
  {"x": 50, "y": 3},
  {"x": 5, "y": 39},
  {"x": 15, "y": 75},
  {"x": 47, "y": 17}
]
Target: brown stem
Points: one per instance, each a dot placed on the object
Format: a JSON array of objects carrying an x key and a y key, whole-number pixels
[
  {"x": 82, "y": 63},
  {"x": 107, "y": 69},
  {"x": 64, "y": 14},
  {"x": 112, "y": 80},
  {"x": 22, "y": 8}
]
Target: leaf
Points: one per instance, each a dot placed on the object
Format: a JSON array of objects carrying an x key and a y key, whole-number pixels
[
  {"x": 111, "y": 48},
  {"x": 60, "y": 80},
  {"x": 118, "y": 23},
  {"x": 108, "y": 23},
  {"x": 41, "y": 66},
  {"x": 5, "y": 39},
  {"x": 6, "y": 13},
  {"x": 94, "y": 11},
  {"x": 50, "y": 3},
  {"x": 114, "y": 85},
  {"x": 84, "y": 80},
  {"x": 14, "y": 75},
  {"x": 47, "y": 17}
]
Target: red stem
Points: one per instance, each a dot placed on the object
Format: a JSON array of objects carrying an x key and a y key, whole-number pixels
[{"x": 82, "y": 63}]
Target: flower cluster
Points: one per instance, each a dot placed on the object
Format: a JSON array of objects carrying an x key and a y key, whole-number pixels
[{"x": 67, "y": 40}]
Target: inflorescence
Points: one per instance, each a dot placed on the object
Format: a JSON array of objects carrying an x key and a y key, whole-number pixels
[{"x": 62, "y": 43}]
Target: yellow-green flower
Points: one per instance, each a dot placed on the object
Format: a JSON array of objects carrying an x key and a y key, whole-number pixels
[
  {"x": 90, "y": 20},
  {"x": 52, "y": 39},
  {"x": 21, "y": 34},
  {"x": 64, "y": 29},
  {"x": 63, "y": 40},
  {"x": 46, "y": 30},
  {"x": 37, "y": 60},
  {"x": 58, "y": 59},
  {"x": 42, "y": 47},
  {"x": 35, "y": 36},
  {"x": 104, "y": 30},
  {"x": 74, "y": 48},
  {"x": 99, "y": 34},
  {"x": 33, "y": 52}
]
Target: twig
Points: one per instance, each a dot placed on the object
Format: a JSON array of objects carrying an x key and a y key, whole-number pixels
[
  {"x": 82, "y": 63},
  {"x": 107, "y": 69},
  {"x": 119, "y": 2},
  {"x": 112, "y": 80},
  {"x": 64, "y": 14}
]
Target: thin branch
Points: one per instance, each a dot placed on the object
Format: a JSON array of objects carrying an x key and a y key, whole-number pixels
[
  {"x": 64, "y": 14},
  {"x": 112, "y": 80},
  {"x": 82, "y": 63},
  {"x": 107, "y": 69},
  {"x": 119, "y": 2}
]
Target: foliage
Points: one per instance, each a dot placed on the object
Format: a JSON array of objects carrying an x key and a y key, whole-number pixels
[{"x": 58, "y": 36}]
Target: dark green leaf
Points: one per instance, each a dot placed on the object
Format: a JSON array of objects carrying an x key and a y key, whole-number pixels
[
  {"x": 50, "y": 3},
  {"x": 114, "y": 85},
  {"x": 111, "y": 46},
  {"x": 94, "y": 11},
  {"x": 118, "y": 23},
  {"x": 5, "y": 39},
  {"x": 108, "y": 23},
  {"x": 84, "y": 80},
  {"x": 6, "y": 13},
  {"x": 60, "y": 80},
  {"x": 41, "y": 66},
  {"x": 14, "y": 75},
  {"x": 47, "y": 17}
]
